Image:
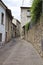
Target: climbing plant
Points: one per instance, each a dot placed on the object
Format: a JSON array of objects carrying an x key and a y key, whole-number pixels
[
  {"x": 36, "y": 10},
  {"x": 27, "y": 26}
]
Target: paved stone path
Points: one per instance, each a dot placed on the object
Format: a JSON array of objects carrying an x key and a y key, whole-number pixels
[{"x": 19, "y": 52}]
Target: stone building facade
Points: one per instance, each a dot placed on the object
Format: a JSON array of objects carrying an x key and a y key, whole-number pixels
[
  {"x": 25, "y": 17},
  {"x": 5, "y": 23},
  {"x": 18, "y": 29},
  {"x": 14, "y": 30},
  {"x": 8, "y": 25},
  {"x": 17, "y": 23}
]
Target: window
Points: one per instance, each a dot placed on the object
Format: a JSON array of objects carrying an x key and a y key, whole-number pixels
[
  {"x": 28, "y": 10},
  {"x": 28, "y": 13},
  {"x": 0, "y": 37},
  {"x": 2, "y": 18}
]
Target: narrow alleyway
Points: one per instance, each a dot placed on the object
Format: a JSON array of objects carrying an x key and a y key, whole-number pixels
[{"x": 19, "y": 52}]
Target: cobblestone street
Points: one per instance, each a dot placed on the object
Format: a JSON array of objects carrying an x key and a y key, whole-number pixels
[{"x": 19, "y": 52}]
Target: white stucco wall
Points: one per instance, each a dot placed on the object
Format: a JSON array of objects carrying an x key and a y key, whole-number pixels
[
  {"x": 24, "y": 18},
  {"x": 2, "y": 27}
]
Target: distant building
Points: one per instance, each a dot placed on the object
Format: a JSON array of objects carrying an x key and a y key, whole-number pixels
[
  {"x": 14, "y": 30},
  {"x": 18, "y": 26},
  {"x": 5, "y": 23},
  {"x": 25, "y": 17}
]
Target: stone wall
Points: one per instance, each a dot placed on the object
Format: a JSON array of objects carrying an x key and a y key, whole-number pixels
[{"x": 35, "y": 35}]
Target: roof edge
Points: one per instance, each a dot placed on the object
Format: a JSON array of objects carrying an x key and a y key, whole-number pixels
[
  {"x": 26, "y": 7},
  {"x": 3, "y": 3}
]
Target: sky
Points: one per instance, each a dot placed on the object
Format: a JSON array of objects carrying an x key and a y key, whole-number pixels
[{"x": 15, "y": 5}]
